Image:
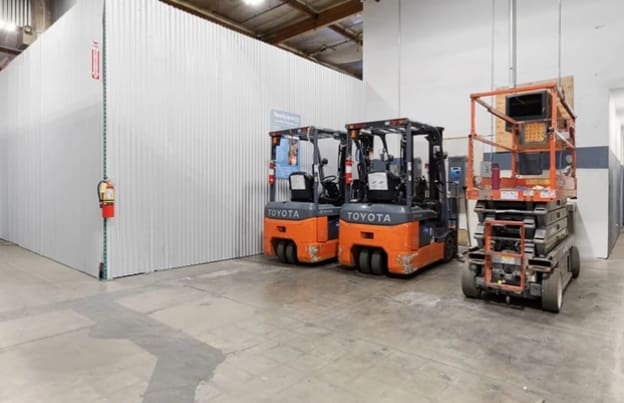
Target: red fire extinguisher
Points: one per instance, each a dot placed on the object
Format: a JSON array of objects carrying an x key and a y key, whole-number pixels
[
  {"x": 496, "y": 178},
  {"x": 106, "y": 194},
  {"x": 349, "y": 171}
]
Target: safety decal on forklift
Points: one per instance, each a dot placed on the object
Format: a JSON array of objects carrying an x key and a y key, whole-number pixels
[
  {"x": 377, "y": 181},
  {"x": 509, "y": 195},
  {"x": 297, "y": 182},
  {"x": 528, "y": 193},
  {"x": 547, "y": 193}
]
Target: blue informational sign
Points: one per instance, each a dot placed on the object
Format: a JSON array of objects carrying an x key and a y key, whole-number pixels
[{"x": 287, "y": 153}]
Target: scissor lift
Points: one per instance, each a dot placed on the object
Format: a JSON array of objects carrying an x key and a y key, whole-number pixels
[{"x": 525, "y": 220}]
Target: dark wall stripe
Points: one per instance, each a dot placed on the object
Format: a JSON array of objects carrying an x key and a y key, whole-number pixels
[{"x": 586, "y": 158}]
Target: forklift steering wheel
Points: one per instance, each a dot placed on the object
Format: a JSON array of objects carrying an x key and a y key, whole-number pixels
[{"x": 330, "y": 178}]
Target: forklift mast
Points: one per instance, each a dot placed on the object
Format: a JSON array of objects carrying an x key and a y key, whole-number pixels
[
  {"x": 342, "y": 158},
  {"x": 361, "y": 135},
  {"x": 437, "y": 173},
  {"x": 312, "y": 135}
]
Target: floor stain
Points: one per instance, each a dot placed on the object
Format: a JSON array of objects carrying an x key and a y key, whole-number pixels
[{"x": 182, "y": 361}]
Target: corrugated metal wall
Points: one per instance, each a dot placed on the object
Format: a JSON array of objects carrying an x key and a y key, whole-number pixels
[
  {"x": 16, "y": 12},
  {"x": 189, "y": 111},
  {"x": 51, "y": 113}
]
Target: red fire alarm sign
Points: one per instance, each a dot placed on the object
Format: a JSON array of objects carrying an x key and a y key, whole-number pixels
[{"x": 95, "y": 60}]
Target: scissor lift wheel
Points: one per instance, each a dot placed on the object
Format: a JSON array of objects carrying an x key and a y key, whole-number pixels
[
  {"x": 575, "y": 262},
  {"x": 552, "y": 292},
  {"x": 469, "y": 286}
]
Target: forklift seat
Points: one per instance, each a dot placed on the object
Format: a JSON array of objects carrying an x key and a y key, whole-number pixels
[
  {"x": 301, "y": 186},
  {"x": 434, "y": 205},
  {"x": 380, "y": 192},
  {"x": 331, "y": 193}
]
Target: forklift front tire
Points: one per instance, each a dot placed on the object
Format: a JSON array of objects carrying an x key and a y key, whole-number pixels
[
  {"x": 378, "y": 263},
  {"x": 364, "y": 261},
  {"x": 281, "y": 251},
  {"x": 291, "y": 253},
  {"x": 450, "y": 247}
]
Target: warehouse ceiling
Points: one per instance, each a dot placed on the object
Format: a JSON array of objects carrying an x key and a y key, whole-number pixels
[{"x": 326, "y": 31}]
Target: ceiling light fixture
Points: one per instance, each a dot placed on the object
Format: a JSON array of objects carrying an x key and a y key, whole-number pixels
[
  {"x": 253, "y": 3},
  {"x": 7, "y": 26}
]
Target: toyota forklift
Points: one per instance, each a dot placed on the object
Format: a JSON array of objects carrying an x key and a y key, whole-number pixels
[
  {"x": 395, "y": 221},
  {"x": 525, "y": 244},
  {"x": 304, "y": 227}
]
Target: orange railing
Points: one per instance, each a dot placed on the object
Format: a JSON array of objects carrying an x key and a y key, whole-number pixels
[{"x": 560, "y": 118}]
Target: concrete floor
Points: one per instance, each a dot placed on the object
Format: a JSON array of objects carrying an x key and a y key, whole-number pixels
[{"x": 252, "y": 330}]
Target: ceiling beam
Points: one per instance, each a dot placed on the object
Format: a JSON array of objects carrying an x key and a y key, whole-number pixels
[
  {"x": 346, "y": 33},
  {"x": 320, "y": 20},
  {"x": 11, "y": 51},
  {"x": 301, "y": 7},
  {"x": 4, "y": 61},
  {"x": 296, "y": 4},
  {"x": 261, "y": 13}
]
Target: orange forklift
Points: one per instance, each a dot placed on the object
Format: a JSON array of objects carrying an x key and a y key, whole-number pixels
[
  {"x": 395, "y": 221},
  {"x": 526, "y": 218},
  {"x": 303, "y": 225}
]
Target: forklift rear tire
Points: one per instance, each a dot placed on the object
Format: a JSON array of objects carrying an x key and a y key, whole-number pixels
[
  {"x": 378, "y": 263},
  {"x": 281, "y": 251},
  {"x": 291, "y": 253},
  {"x": 575, "y": 262},
  {"x": 469, "y": 286},
  {"x": 364, "y": 261},
  {"x": 552, "y": 292}
]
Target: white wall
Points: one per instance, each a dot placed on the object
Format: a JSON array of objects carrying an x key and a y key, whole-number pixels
[
  {"x": 51, "y": 114},
  {"x": 189, "y": 118},
  {"x": 3, "y": 160},
  {"x": 425, "y": 63}
]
